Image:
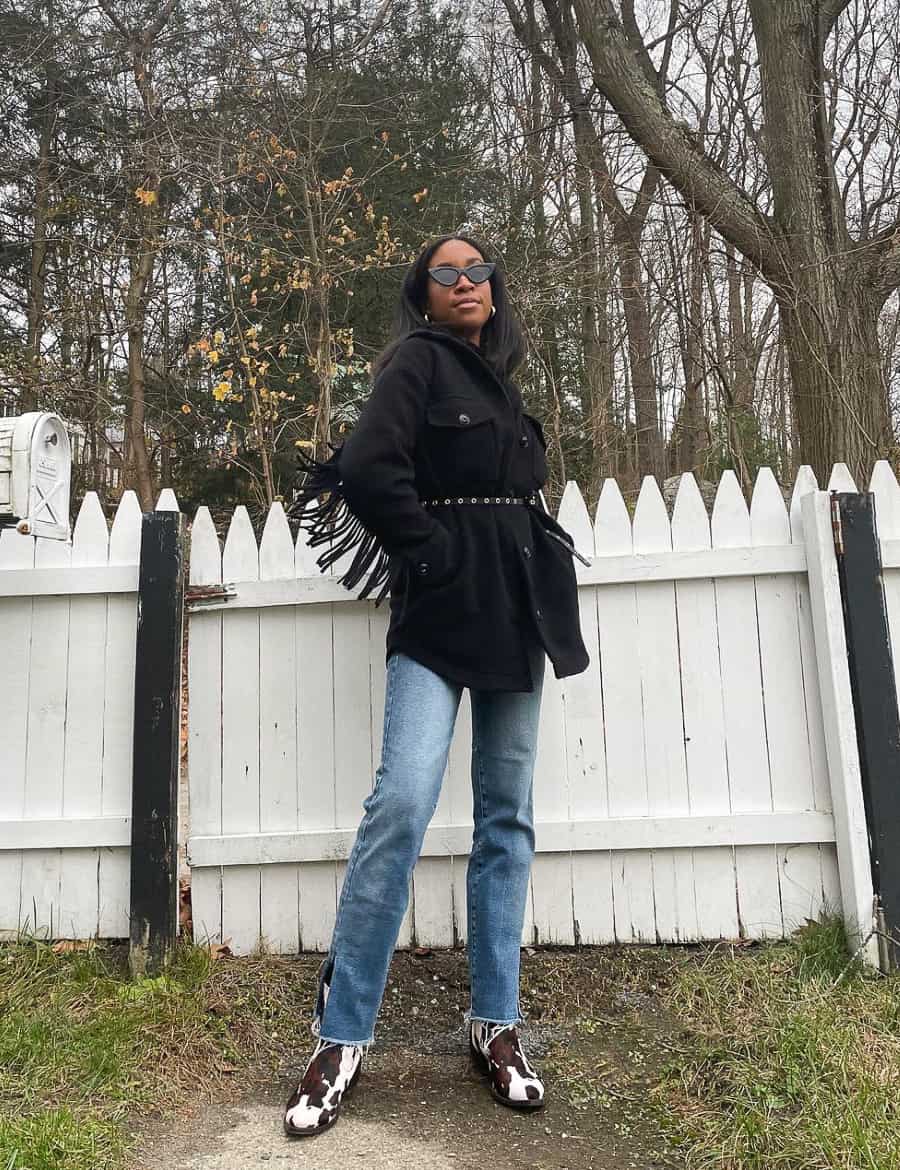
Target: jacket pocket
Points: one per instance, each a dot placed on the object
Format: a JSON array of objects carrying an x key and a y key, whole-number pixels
[
  {"x": 538, "y": 449},
  {"x": 461, "y": 443}
]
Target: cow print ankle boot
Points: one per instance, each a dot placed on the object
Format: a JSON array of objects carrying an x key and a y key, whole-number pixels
[
  {"x": 332, "y": 1071},
  {"x": 497, "y": 1050}
]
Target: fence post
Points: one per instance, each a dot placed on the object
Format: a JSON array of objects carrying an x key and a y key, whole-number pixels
[
  {"x": 157, "y": 695},
  {"x": 851, "y": 834},
  {"x": 874, "y": 703}
]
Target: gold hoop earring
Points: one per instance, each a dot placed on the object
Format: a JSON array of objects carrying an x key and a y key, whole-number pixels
[{"x": 493, "y": 310}]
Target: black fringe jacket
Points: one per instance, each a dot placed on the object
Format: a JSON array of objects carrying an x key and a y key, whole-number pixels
[{"x": 469, "y": 582}]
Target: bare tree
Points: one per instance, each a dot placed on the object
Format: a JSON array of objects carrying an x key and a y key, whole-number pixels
[
  {"x": 830, "y": 283},
  {"x": 145, "y": 234}
]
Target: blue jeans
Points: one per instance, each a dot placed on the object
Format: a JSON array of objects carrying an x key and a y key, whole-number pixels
[{"x": 419, "y": 715}]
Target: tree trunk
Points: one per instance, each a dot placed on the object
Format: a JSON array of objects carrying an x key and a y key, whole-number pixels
[
  {"x": 649, "y": 456},
  {"x": 593, "y": 287},
  {"x": 144, "y": 244},
  {"x": 547, "y": 328},
  {"x": 830, "y": 319},
  {"x": 685, "y": 438},
  {"x": 838, "y": 388},
  {"x": 29, "y": 397},
  {"x": 136, "y": 309}
]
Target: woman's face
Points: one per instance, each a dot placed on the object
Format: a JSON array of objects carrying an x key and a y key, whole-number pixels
[{"x": 465, "y": 307}]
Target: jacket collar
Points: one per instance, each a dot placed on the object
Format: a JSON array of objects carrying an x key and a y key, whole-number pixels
[{"x": 471, "y": 352}]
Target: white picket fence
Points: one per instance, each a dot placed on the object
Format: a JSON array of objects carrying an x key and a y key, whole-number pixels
[
  {"x": 687, "y": 784},
  {"x": 67, "y": 638},
  {"x": 683, "y": 786}
]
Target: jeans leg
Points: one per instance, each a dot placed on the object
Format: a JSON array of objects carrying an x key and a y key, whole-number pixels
[
  {"x": 504, "y": 745},
  {"x": 419, "y": 715}
]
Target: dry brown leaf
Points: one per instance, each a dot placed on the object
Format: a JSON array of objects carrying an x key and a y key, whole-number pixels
[{"x": 66, "y": 945}]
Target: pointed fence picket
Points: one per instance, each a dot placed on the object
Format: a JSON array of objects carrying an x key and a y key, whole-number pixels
[
  {"x": 706, "y": 756},
  {"x": 663, "y": 720},
  {"x": 118, "y": 717},
  {"x": 205, "y": 725},
  {"x": 631, "y": 890},
  {"x": 16, "y": 620},
  {"x": 551, "y": 874},
  {"x": 586, "y": 748}
]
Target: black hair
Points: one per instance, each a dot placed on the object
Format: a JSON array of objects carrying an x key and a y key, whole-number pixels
[{"x": 502, "y": 342}]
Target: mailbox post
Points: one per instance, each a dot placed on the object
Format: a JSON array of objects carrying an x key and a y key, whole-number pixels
[{"x": 35, "y": 475}]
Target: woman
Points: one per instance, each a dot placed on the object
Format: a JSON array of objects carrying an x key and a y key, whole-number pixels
[{"x": 436, "y": 489}]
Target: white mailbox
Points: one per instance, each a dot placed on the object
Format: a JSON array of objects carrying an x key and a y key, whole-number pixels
[{"x": 35, "y": 474}]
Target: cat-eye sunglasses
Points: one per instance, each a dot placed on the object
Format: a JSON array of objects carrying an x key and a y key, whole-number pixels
[{"x": 448, "y": 274}]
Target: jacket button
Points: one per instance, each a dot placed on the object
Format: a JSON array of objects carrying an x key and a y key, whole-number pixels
[
  {"x": 523, "y": 442},
  {"x": 526, "y": 551},
  {"x": 464, "y": 418},
  {"x": 422, "y": 568}
]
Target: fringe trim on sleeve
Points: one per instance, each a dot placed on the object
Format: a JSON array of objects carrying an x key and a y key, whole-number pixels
[{"x": 332, "y": 520}]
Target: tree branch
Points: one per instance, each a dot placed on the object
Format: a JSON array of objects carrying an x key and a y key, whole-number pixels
[
  {"x": 119, "y": 25},
  {"x": 377, "y": 21},
  {"x": 670, "y": 146},
  {"x": 829, "y": 11},
  {"x": 885, "y": 250}
]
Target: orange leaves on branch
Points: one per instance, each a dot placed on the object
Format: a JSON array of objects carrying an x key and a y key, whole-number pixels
[
  {"x": 146, "y": 196},
  {"x": 420, "y": 195},
  {"x": 332, "y": 186}
]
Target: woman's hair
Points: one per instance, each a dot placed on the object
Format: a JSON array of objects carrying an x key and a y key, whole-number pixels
[{"x": 502, "y": 342}]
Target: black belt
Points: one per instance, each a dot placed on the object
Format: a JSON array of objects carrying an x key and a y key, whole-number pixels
[{"x": 532, "y": 499}]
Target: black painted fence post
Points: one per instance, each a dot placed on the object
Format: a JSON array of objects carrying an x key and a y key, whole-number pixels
[
  {"x": 157, "y": 703},
  {"x": 874, "y": 703}
]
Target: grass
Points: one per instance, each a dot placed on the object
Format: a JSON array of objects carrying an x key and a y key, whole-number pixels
[
  {"x": 83, "y": 1047},
  {"x": 783, "y": 1057},
  {"x": 791, "y": 1060}
]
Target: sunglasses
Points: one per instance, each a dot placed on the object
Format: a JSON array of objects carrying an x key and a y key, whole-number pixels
[{"x": 448, "y": 274}]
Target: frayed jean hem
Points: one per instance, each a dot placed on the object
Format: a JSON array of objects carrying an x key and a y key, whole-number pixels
[
  {"x": 365, "y": 1045},
  {"x": 470, "y": 1018}
]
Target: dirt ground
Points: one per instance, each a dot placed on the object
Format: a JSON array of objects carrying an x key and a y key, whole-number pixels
[{"x": 596, "y": 1029}]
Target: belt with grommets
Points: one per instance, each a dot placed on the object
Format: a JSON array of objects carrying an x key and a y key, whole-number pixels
[{"x": 531, "y": 500}]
